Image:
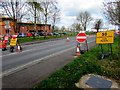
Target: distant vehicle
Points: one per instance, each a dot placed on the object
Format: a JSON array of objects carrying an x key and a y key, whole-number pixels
[
  {"x": 29, "y": 34},
  {"x": 42, "y": 34},
  {"x": 50, "y": 34},
  {"x": 22, "y": 35},
  {"x": 55, "y": 33},
  {"x": 64, "y": 33},
  {"x": 37, "y": 34}
]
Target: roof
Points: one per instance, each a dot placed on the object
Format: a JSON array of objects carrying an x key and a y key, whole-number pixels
[
  {"x": 7, "y": 18},
  {"x": 32, "y": 23}
]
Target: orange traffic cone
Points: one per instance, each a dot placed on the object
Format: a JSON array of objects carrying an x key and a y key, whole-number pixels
[
  {"x": 77, "y": 51},
  {"x": 67, "y": 39},
  {"x": 19, "y": 48}
]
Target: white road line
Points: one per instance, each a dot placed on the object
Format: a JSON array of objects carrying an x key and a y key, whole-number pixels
[
  {"x": 7, "y": 72},
  {"x": 29, "y": 49},
  {"x": 13, "y": 70}
]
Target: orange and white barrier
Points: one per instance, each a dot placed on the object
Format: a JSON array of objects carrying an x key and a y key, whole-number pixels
[
  {"x": 19, "y": 49},
  {"x": 67, "y": 39},
  {"x": 77, "y": 50}
]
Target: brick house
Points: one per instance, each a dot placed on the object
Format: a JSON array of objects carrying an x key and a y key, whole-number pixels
[
  {"x": 29, "y": 27},
  {"x": 7, "y": 26}
]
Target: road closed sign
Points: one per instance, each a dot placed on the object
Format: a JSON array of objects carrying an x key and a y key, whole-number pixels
[
  {"x": 81, "y": 37},
  {"x": 105, "y": 37},
  {"x": 13, "y": 41}
]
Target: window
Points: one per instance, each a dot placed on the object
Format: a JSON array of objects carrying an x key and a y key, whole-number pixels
[{"x": 7, "y": 31}]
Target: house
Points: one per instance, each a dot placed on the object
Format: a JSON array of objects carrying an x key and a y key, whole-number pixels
[{"x": 8, "y": 26}]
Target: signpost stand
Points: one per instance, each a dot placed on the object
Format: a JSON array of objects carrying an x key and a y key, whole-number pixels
[
  {"x": 87, "y": 45},
  {"x": 103, "y": 55},
  {"x": 81, "y": 38},
  {"x": 106, "y": 37}
]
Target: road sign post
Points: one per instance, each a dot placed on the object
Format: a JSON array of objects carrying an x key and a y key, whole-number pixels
[
  {"x": 81, "y": 38},
  {"x": 106, "y": 37}
]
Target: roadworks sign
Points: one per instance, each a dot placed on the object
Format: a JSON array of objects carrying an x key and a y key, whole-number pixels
[
  {"x": 105, "y": 37},
  {"x": 13, "y": 41}
]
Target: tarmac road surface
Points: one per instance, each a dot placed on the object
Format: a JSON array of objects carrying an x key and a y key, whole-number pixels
[
  {"x": 37, "y": 61},
  {"x": 36, "y": 51}
]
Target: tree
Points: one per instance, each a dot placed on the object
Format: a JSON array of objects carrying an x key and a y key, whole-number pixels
[
  {"x": 76, "y": 26},
  {"x": 84, "y": 19},
  {"x": 35, "y": 7},
  {"x": 14, "y": 9},
  {"x": 47, "y": 10},
  {"x": 55, "y": 17},
  {"x": 112, "y": 12},
  {"x": 98, "y": 24}
]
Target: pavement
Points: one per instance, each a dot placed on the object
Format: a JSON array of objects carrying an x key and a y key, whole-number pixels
[{"x": 30, "y": 76}]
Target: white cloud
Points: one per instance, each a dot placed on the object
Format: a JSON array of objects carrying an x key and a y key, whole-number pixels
[{"x": 71, "y": 8}]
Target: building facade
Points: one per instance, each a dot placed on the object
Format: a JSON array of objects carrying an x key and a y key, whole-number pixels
[{"x": 8, "y": 26}]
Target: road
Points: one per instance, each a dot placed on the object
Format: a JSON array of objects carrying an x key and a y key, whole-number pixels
[
  {"x": 36, "y": 62},
  {"x": 36, "y": 51}
]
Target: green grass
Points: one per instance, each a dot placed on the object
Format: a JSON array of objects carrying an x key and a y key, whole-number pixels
[
  {"x": 88, "y": 63},
  {"x": 37, "y": 38},
  {"x": 90, "y": 33}
]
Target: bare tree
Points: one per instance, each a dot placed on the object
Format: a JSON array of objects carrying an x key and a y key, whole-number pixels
[
  {"x": 55, "y": 17},
  {"x": 47, "y": 10},
  {"x": 84, "y": 19},
  {"x": 112, "y": 12},
  {"x": 76, "y": 26},
  {"x": 35, "y": 7},
  {"x": 14, "y": 9},
  {"x": 98, "y": 24}
]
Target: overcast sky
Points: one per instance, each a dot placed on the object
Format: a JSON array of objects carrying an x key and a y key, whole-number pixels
[{"x": 71, "y": 8}]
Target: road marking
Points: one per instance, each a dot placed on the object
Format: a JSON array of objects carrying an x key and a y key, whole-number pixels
[
  {"x": 13, "y": 70},
  {"x": 27, "y": 50},
  {"x": 7, "y": 72}
]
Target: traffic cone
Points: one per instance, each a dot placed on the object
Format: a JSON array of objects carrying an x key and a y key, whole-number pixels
[
  {"x": 19, "y": 48},
  {"x": 77, "y": 51},
  {"x": 67, "y": 39}
]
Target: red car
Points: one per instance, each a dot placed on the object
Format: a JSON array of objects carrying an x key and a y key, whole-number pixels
[
  {"x": 29, "y": 34},
  {"x": 50, "y": 34}
]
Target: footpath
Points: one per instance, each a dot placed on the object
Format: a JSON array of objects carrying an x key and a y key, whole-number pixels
[{"x": 28, "y": 77}]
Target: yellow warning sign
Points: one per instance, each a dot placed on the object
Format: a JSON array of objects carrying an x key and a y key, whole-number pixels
[
  {"x": 13, "y": 41},
  {"x": 105, "y": 37}
]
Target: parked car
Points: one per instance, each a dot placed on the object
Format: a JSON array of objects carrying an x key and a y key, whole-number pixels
[
  {"x": 22, "y": 35},
  {"x": 55, "y": 33},
  {"x": 42, "y": 34},
  {"x": 29, "y": 34},
  {"x": 64, "y": 33},
  {"x": 50, "y": 34},
  {"x": 37, "y": 34}
]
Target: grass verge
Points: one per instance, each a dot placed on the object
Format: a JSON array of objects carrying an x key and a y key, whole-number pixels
[{"x": 88, "y": 63}]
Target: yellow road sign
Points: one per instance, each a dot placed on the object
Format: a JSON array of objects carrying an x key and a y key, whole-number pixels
[
  {"x": 105, "y": 37},
  {"x": 13, "y": 41}
]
